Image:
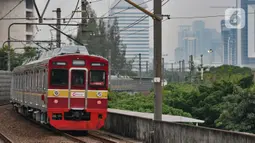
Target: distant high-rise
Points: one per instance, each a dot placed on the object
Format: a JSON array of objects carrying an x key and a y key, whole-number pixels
[
  {"x": 246, "y": 36},
  {"x": 190, "y": 47},
  {"x": 196, "y": 40},
  {"x": 20, "y": 32},
  {"x": 229, "y": 38},
  {"x": 179, "y": 54},
  {"x": 134, "y": 36}
]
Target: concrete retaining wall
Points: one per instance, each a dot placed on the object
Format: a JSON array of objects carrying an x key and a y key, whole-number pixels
[
  {"x": 165, "y": 132},
  {"x": 5, "y": 85}
]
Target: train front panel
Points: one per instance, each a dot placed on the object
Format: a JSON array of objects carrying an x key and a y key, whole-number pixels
[{"x": 77, "y": 93}]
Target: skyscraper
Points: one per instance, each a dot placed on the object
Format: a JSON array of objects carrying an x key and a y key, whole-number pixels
[
  {"x": 134, "y": 31},
  {"x": 246, "y": 36},
  {"x": 190, "y": 47},
  {"x": 195, "y": 40},
  {"x": 229, "y": 38}
]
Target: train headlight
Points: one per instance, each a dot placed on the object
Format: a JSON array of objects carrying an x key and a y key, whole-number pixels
[
  {"x": 56, "y": 101},
  {"x": 99, "y": 102}
]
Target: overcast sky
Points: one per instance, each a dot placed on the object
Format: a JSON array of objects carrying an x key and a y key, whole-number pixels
[{"x": 175, "y": 8}]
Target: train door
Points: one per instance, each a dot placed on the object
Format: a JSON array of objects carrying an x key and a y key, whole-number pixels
[{"x": 77, "y": 88}]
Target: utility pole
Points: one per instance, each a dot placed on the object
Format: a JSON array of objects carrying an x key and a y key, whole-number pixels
[
  {"x": 84, "y": 4},
  {"x": 172, "y": 69},
  {"x": 180, "y": 66},
  {"x": 163, "y": 72},
  {"x": 183, "y": 70},
  {"x": 157, "y": 60},
  {"x": 58, "y": 36},
  {"x": 202, "y": 68},
  {"x": 157, "y": 17},
  {"x": 180, "y": 71},
  {"x": 191, "y": 67},
  {"x": 140, "y": 68}
]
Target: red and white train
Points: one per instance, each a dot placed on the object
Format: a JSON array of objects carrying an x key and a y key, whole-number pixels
[{"x": 66, "y": 88}]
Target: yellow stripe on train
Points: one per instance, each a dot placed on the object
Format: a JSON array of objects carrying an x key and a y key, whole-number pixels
[{"x": 78, "y": 93}]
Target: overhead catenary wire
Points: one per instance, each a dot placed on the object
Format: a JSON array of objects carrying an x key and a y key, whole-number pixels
[
  {"x": 111, "y": 8},
  {"x": 76, "y": 7},
  {"x": 131, "y": 7},
  {"x": 11, "y": 9},
  {"x": 140, "y": 19}
]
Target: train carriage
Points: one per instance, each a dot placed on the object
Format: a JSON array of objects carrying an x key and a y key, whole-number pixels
[{"x": 66, "y": 88}]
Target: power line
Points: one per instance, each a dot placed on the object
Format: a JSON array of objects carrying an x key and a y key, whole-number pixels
[
  {"x": 76, "y": 7},
  {"x": 12, "y": 9},
  {"x": 142, "y": 29},
  {"x": 140, "y": 19},
  {"x": 131, "y": 7},
  {"x": 111, "y": 8}
]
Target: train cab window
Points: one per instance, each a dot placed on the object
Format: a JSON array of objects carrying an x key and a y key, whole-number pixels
[
  {"x": 59, "y": 77},
  {"x": 97, "y": 78},
  {"x": 78, "y": 77}
]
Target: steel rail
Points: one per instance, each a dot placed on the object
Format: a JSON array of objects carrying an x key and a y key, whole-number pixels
[
  {"x": 71, "y": 137},
  {"x": 5, "y": 139}
]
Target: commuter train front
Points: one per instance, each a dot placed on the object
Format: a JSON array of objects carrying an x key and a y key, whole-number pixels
[{"x": 69, "y": 92}]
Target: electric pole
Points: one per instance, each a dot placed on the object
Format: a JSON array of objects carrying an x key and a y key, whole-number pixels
[
  {"x": 157, "y": 17},
  {"x": 58, "y": 36},
  {"x": 180, "y": 66},
  {"x": 183, "y": 70},
  {"x": 172, "y": 69},
  {"x": 202, "y": 68},
  {"x": 157, "y": 60},
  {"x": 84, "y": 4},
  {"x": 163, "y": 72},
  {"x": 140, "y": 68},
  {"x": 191, "y": 67}
]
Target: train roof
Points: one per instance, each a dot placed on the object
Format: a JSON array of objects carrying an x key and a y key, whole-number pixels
[{"x": 65, "y": 50}]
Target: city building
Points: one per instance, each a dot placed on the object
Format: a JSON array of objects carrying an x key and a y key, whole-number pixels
[
  {"x": 190, "y": 47},
  {"x": 136, "y": 42},
  {"x": 229, "y": 38},
  {"x": 195, "y": 40},
  {"x": 245, "y": 45},
  {"x": 19, "y": 32},
  {"x": 179, "y": 53}
]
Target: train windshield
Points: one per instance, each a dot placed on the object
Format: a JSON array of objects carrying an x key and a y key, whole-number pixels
[
  {"x": 97, "y": 78},
  {"x": 78, "y": 78},
  {"x": 59, "y": 77}
]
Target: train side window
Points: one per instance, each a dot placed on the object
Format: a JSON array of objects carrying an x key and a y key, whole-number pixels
[
  {"x": 37, "y": 80},
  {"x": 14, "y": 81},
  {"x": 45, "y": 78},
  {"x": 97, "y": 78},
  {"x": 28, "y": 80},
  {"x": 32, "y": 80},
  {"x": 18, "y": 81},
  {"x": 59, "y": 77}
]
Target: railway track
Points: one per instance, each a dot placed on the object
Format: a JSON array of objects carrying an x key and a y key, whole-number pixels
[
  {"x": 99, "y": 137},
  {"x": 4, "y": 139}
]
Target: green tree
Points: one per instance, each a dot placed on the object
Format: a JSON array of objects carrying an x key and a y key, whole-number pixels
[
  {"x": 16, "y": 58},
  {"x": 99, "y": 41}
]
